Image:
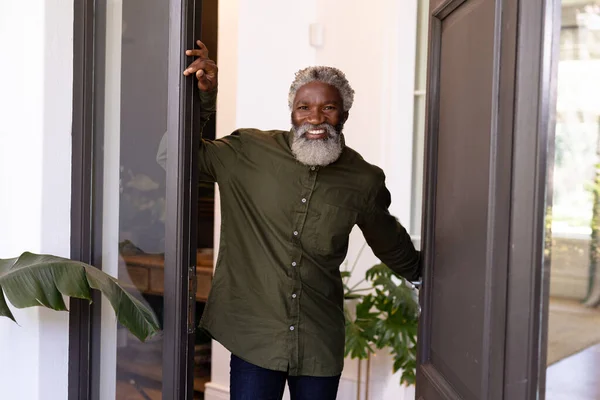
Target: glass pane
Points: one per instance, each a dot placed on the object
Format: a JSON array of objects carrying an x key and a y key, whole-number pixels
[
  {"x": 419, "y": 117},
  {"x": 133, "y": 208},
  {"x": 574, "y": 317}
]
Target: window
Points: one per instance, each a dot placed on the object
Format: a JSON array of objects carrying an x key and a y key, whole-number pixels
[
  {"x": 419, "y": 117},
  {"x": 577, "y": 118}
]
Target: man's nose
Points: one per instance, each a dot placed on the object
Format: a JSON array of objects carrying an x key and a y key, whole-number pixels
[{"x": 316, "y": 117}]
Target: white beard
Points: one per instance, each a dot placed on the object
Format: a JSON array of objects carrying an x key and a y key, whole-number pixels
[{"x": 316, "y": 152}]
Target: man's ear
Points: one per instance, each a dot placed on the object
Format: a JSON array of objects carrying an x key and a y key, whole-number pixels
[{"x": 345, "y": 117}]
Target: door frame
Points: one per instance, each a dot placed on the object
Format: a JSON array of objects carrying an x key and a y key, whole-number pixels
[
  {"x": 80, "y": 315},
  {"x": 528, "y": 276},
  {"x": 181, "y": 211},
  {"x": 86, "y": 198},
  {"x": 521, "y": 269}
]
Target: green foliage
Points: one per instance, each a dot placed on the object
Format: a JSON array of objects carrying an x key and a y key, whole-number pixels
[
  {"x": 41, "y": 280},
  {"x": 386, "y": 317},
  {"x": 595, "y": 237}
]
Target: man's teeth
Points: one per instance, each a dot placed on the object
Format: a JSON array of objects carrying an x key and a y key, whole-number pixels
[{"x": 317, "y": 132}]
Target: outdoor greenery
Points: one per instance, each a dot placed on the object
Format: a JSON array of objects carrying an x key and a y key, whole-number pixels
[
  {"x": 576, "y": 173},
  {"x": 593, "y": 295},
  {"x": 384, "y": 316},
  {"x": 42, "y": 280}
]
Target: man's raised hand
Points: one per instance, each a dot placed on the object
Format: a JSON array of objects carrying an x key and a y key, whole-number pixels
[{"x": 204, "y": 68}]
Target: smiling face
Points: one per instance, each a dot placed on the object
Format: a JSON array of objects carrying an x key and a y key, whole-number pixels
[
  {"x": 318, "y": 118},
  {"x": 318, "y": 103}
]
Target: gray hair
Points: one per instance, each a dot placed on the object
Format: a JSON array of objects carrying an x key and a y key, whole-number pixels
[{"x": 330, "y": 75}]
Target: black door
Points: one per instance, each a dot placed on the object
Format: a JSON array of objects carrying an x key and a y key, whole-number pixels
[
  {"x": 489, "y": 124},
  {"x": 134, "y": 193}
]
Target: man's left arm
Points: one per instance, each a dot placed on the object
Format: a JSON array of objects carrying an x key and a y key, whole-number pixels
[{"x": 388, "y": 239}]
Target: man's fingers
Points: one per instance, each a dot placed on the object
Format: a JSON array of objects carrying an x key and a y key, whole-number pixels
[
  {"x": 193, "y": 67},
  {"x": 195, "y": 53},
  {"x": 208, "y": 66},
  {"x": 201, "y": 51},
  {"x": 203, "y": 67},
  {"x": 204, "y": 77}
]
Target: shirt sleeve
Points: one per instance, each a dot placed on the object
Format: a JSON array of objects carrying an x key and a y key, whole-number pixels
[
  {"x": 388, "y": 239},
  {"x": 216, "y": 158}
]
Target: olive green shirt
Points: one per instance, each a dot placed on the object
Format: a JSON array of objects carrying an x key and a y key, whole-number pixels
[{"x": 277, "y": 296}]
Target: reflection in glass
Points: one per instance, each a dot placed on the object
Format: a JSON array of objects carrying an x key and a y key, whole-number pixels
[
  {"x": 134, "y": 188},
  {"x": 574, "y": 316},
  {"x": 133, "y": 150},
  {"x": 135, "y": 113}
]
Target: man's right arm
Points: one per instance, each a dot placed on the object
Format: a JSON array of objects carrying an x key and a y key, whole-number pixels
[{"x": 216, "y": 158}]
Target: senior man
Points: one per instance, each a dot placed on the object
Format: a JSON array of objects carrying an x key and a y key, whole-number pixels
[{"x": 289, "y": 201}]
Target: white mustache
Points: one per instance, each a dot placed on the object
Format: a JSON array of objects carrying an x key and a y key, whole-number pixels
[{"x": 303, "y": 129}]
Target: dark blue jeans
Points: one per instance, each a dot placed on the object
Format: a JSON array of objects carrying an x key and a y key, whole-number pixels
[{"x": 249, "y": 382}]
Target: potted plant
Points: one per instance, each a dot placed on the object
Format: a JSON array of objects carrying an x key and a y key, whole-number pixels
[
  {"x": 382, "y": 312},
  {"x": 42, "y": 280}
]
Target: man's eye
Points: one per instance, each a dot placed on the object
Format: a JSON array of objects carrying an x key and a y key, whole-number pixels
[
  {"x": 329, "y": 108},
  {"x": 302, "y": 108}
]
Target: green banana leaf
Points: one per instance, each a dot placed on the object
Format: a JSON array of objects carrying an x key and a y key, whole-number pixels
[{"x": 41, "y": 280}]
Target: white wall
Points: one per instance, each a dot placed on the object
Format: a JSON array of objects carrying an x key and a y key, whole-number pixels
[
  {"x": 35, "y": 182},
  {"x": 377, "y": 53},
  {"x": 374, "y": 43},
  {"x": 262, "y": 43},
  {"x": 272, "y": 46}
]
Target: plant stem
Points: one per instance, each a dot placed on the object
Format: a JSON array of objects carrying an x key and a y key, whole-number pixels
[
  {"x": 353, "y": 287},
  {"x": 368, "y": 376},
  {"x": 359, "y": 378},
  {"x": 350, "y": 291},
  {"x": 358, "y": 257}
]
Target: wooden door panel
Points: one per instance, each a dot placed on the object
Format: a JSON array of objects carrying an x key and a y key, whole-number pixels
[
  {"x": 461, "y": 129},
  {"x": 461, "y": 201},
  {"x": 480, "y": 72}
]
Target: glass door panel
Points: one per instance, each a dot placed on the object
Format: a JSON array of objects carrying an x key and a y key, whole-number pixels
[
  {"x": 574, "y": 305},
  {"x": 134, "y": 188}
]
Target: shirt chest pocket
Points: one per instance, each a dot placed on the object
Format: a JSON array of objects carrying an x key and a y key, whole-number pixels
[{"x": 331, "y": 227}]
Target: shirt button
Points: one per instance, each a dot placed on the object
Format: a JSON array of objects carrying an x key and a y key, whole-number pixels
[
  {"x": 312, "y": 168},
  {"x": 304, "y": 200},
  {"x": 295, "y": 233},
  {"x": 294, "y": 264},
  {"x": 294, "y": 296},
  {"x": 291, "y": 328}
]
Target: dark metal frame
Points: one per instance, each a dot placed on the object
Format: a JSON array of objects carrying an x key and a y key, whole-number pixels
[
  {"x": 80, "y": 327},
  {"x": 516, "y": 363},
  {"x": 529, "y": 267},
  {"x": 86, "y": 214},
  {"x": 180, "y": 241}
]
